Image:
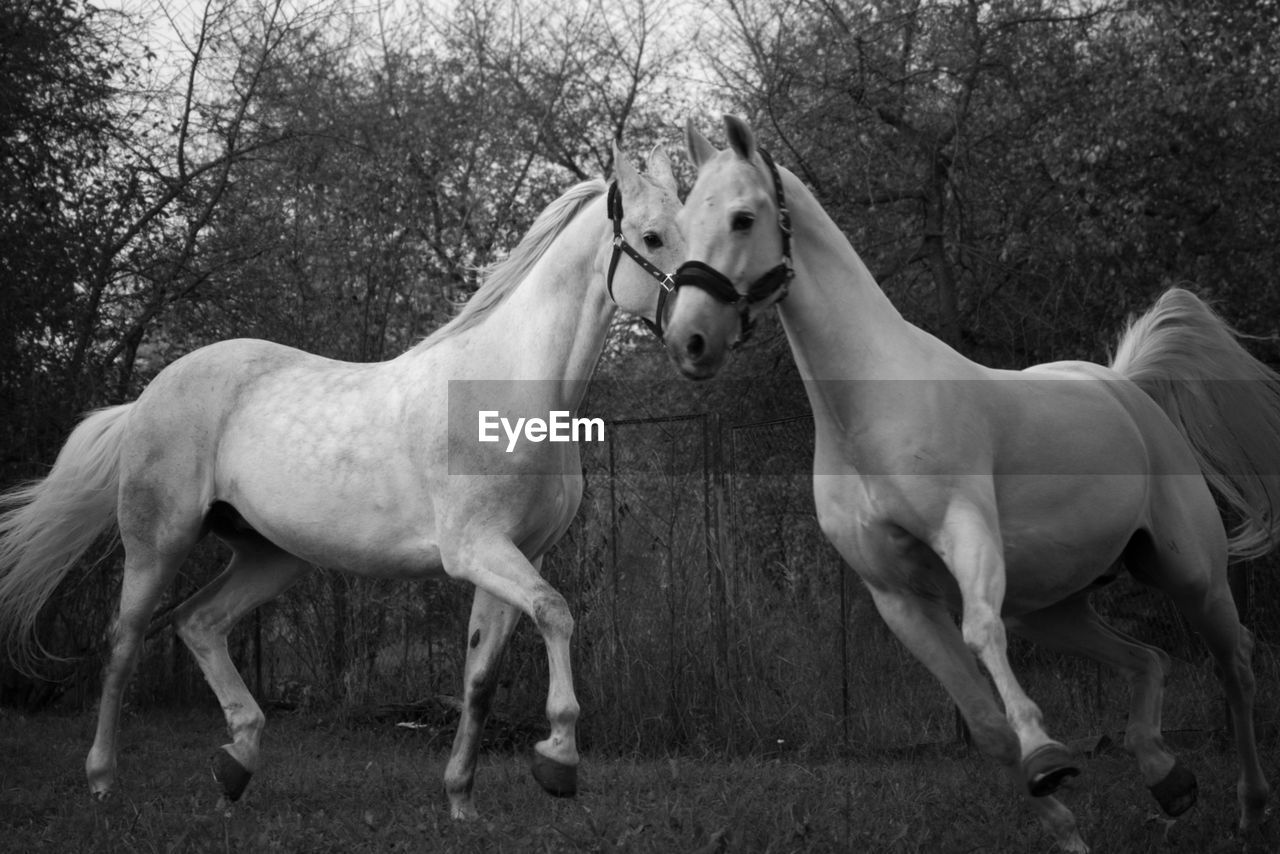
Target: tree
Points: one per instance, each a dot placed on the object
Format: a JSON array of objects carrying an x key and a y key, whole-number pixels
[
  {"x": 1019, "y": 172},
  {"x": 56, "y": 124}
]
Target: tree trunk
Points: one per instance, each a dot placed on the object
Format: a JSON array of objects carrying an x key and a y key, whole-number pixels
[{"x": 934, "y": 250}]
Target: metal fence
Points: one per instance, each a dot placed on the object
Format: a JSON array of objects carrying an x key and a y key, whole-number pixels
[
  {"x": 711, "y": 614},
  {"x": 775, "y": 533}
]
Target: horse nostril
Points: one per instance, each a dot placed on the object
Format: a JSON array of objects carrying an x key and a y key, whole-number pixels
[{"x": 695, "y": 346}]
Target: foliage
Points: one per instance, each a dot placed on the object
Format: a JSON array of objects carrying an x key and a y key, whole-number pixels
[{"x": 56, "y": 197}]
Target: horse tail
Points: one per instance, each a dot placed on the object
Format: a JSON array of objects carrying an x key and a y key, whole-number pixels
[
  {"x": 48, "y": 524},
  {"x": 1223, "y": 400}
]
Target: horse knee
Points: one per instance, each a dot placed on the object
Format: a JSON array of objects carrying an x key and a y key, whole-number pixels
[
  {"x": 199, "y": 635},
  {"x": 981, "y": 628},
  {"x": 1235, "y": 671},
  {"x": 551, "y": 614},
  {"x": 479, "y": 689}
]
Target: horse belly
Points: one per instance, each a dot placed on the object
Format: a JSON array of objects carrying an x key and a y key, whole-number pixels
[
  {"x": 1060, "y": 534},
  {"x": 355, "y": 504}
]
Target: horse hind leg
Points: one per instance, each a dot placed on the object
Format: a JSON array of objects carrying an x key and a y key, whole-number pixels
[
  {"x": 147, "y": 572},
  {"x": 258, "y": 573},
  {"x": 488, "y": 632},
  {"x": 1198, "y": 586}
]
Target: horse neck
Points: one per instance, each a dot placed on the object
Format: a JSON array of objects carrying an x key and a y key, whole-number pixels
[
  {"x": 841, "y": 326},
  {"x": 552, "y": 327},
  {"x": 838, "y": 321}
]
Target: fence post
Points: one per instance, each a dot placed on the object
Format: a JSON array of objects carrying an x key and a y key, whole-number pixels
[
  {"x": 844, "y": 652},
  {"x": 713, "y": 492},
  {"x": 257, "y": 650},
  {"x": 613, "y": 542},
  {"x": 1238, "y": 576}
]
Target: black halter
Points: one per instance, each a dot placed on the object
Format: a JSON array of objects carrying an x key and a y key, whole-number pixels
[
  {"x": 773, "y": 284},
  {"x": 666, "y": 282}
]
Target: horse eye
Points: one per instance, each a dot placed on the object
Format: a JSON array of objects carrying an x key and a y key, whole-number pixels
[
  {"x": 742, "y": 222},
  {"x": 652, "y": 240}
]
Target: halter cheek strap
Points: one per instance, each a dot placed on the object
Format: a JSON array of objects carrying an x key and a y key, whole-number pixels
[
  {"x": 773, "y": 284},
  {"x": 666, "y": 282}
]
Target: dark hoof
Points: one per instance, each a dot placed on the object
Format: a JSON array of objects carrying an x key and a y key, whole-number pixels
[
  {"x": 1047, "y": 768},
  {"x": 230, "y": 774},
  {"x": 1177, "y": 792},
  {"x": 556, "y": 778}
]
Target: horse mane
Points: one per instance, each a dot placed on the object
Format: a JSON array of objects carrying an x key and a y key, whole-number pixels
[{"x": 500, "y": 278}]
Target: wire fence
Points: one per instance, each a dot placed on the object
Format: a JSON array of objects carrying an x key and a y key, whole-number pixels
[
  {"x": 711, "y": 614},
  {"x": 884, "y": 695}
]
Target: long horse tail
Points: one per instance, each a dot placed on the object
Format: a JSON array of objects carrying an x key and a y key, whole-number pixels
[
  {"x": 1223, "y": 400},
  {"x": 48, "y": 524}
]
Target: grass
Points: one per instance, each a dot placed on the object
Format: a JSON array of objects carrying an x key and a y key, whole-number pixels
[{"x": 326, "y": 787}]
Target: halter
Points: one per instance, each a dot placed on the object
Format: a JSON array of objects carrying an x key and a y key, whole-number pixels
[
  {"x": 666, "y": 282},
  {"x": 773, "y": 284}
]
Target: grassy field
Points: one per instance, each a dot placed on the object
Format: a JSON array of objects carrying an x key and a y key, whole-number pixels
[{"x": 334, "y": 788}]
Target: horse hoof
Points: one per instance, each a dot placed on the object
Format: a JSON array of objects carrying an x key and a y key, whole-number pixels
[
  {"x": 1177, "y": 792},
  {"x": 556, "y": 778},
  {"x": 1046, "y": 768},
  {"x": 230, "y": 774}
]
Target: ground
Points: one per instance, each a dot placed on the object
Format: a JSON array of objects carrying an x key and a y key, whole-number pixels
[{"x": 330, "y": 787}]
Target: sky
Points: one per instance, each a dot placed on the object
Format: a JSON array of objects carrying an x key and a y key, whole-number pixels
[{"x": 170, "y": 29}]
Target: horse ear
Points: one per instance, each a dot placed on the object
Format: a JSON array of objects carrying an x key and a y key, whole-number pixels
[
  {"x": 660, "y": 167},
  {"x": 741, "y": 139},
  {"x": 700, "y": 148},
  {"x": 626, "y": 173}
]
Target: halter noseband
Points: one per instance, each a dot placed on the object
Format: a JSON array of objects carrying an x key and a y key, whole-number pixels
[
  {"x": 774, "y": 283},
  {"x": 666, "y": 282}
]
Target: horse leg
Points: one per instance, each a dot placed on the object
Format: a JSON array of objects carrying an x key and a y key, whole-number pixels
[
  {"x": 258, "y": 573},
  {"x": 1074, "y": 626},
  {"x": 1211, "y": 610},
  {"x": 1054, "y": 816},
  {"x": 969, "y": 544},
  {"x": 491, "y": 624},
  {"x": 494, "y": 564},
  {"x": 147, "y": 572},
  {"x": 927, "y": 630}
]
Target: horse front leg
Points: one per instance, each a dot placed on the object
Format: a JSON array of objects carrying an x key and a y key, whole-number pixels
[
  {"x": 488, "y": 632},
  {"x": 928, "y": 632},
  {"x": 495, "y": 565},
  {"x": 969, "y": 543},
  {"x": 1074, "y": 626}
]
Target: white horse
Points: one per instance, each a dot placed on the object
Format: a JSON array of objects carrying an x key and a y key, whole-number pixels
[
  {"x": 298, "y": 461},
  {"x": 1005, "y": 496}
]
